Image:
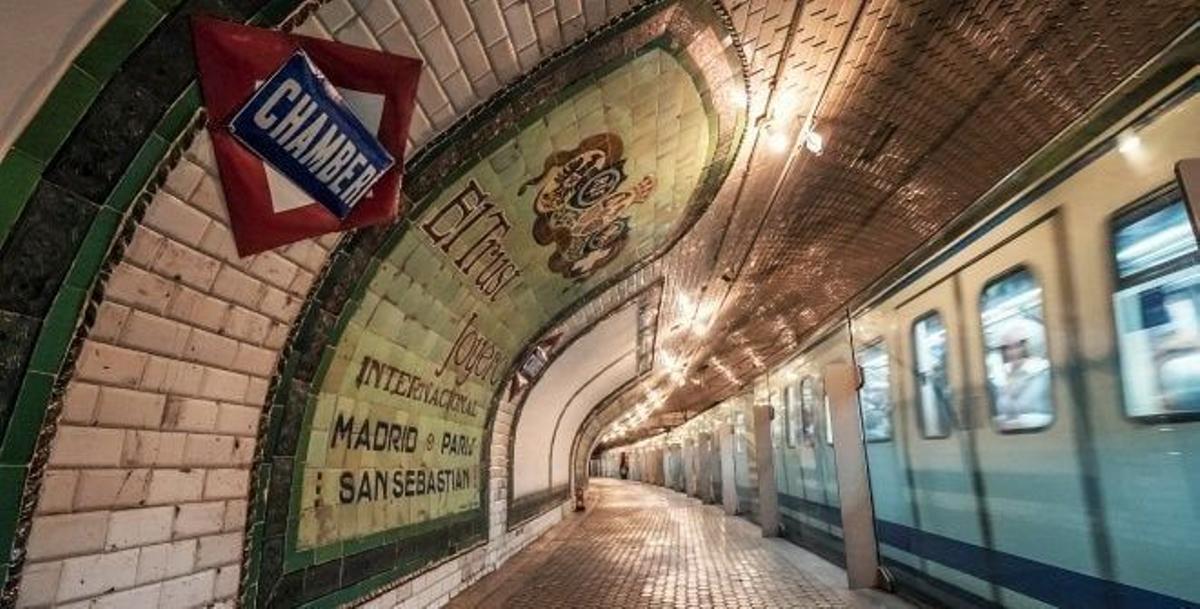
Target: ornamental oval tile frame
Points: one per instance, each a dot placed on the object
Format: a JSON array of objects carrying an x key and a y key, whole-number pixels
[{"x": 695, "y": 33}]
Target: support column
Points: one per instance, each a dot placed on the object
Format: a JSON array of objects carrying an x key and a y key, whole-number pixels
[
  {"x": 705, "y": 456},
  {"x": 854, "y": 486},
  {"x": 728, "y": 484},
  {"x": 764, "y": 457},
  {"x": 691, "y": 468}
]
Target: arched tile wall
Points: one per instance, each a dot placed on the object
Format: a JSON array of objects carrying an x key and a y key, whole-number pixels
[{"x": 137, "y": 491}]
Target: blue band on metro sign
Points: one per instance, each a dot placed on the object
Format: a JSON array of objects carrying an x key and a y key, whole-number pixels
[{"x": 297, "y": 122}]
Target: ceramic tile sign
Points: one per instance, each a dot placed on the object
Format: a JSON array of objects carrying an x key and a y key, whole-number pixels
[{"x": 308, "y": 134}]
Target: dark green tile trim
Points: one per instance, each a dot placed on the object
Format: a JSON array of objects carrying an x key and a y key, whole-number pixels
[
  {"x": 66, "y": 104},
  {"x": 11, "y": 477},
  {"x": 26, "y": 422},
  {"x": 127, "y": 28},
  {"x": 59, "y": 325},
  {"x": 19, "y": 174}
]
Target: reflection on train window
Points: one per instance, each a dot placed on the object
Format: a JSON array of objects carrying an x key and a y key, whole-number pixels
[
  {"x": 874, "y": 400},
  {"x": 934, "y": 401},
  {"x": 809, "y": 422},
  {"x": 779, "y": 424},
  {"x": 792, "y": 413},
  {"x": 1014, "y": 336},
  {"x": 828, "y": 423},
  {"x": 1157, "y": 309},
  {"x": 739, "y": 430}
]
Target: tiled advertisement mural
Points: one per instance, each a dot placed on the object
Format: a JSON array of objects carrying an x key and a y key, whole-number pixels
[{"x": 381, "y": 429}]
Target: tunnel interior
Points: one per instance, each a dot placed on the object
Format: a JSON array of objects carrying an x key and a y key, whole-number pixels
[{"x": 634, "y": 240}]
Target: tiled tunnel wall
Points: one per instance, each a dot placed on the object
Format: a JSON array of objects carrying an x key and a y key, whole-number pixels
[{"x": 153, "y": 387}]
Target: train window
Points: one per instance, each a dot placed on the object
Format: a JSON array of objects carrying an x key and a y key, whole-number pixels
[
  {"x": 792, "y": 414},
  {"x": 1014, "y": 337},
  {"x": 1157, "y": 311},
  {"x": 808, "y": 398},
  {"x": 874, "y": 400},
  {"x": 739, "y": 430},
  {"x": 934, "y": 400},
  {"x": 828, "y": 423}
]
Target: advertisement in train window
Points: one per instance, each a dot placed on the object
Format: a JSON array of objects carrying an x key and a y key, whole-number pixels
[
  {"x": 933, "y": 383},
  {"x": 1018, "y": 368},
  {"x": 1157, "y": 309},
  {"x": 807, "y": 399},
  {"x": 873, "y": 398}
]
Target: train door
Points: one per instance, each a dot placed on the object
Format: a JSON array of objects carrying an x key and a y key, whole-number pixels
[
  {"x": 1020, "y": 400},
  {"x": 941, "y": 474}
]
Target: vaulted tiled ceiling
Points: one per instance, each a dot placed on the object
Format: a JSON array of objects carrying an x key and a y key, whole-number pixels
[{"x": 924, "y": 106}]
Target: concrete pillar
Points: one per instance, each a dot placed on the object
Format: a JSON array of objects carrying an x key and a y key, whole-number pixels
[
  {"x": 691, "y": 468},
  {"x": 854, "y": 486},
  {"x": 764, "y": 457},
  {"x": 728, "y": 484},
  {"x": 704, "y": 470}
]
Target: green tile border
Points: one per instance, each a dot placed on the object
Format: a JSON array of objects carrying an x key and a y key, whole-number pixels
[
  {"x": 19, "y": 175},
  {"x": 111, "y": 46}
]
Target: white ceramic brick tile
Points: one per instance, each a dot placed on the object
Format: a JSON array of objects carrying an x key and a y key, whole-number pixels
[
  {"x": 87, "y": 447},
  {"x": 183, "y": 264},
  {"x": 171, "y": 486},
  {"x": 153, "y": 449},
  {"x": 120, "y": 407},
  {"x": 439, "y": 52},
  {"x": 546, "y": 25},
  {"x": 58, "y": 491},
  {"x": 90, "y": 575},
  {"x": 238, "y": 287},
  {"x": 419, "y": 15},
  {"x": 170, "y": 216},
  {"x": 226, "y": 584},
  {"x": 334, "y": 13},
  {"x": 110, "y": 488},
  {"x": 246, "y": 325},
  {"x": 184, "y": 178},
  {"x": 504, "y": 59},
  {"x": 144, "y": 248},
  {"x": 474, "y": 60},
  {"x": 399, "y": 40},
  {"x": 226, "y": 483},
  {"x": 135, "y": 287},
  {"x": 237, "y": 420},
  {"x": 190, "y": 414},
  {"x": 455, "y": 17},
  {"x": 489, "y": 21},
  {"x": 254, "y": 360},
  {"x": 189, "y": 591},
  {"x": 67, "y": 535},
  {"x": 458, "y": 89},
  {"x": 235, "y": 515},
  {"x": 379, "y": 14},
  {"x": 520, "y": 25},
  {"x": 223, "y": 385},
  {"x": 151, "y": 333},
  {"x": 139, "y": 527},
  {"x": 356, "y": 33},
  {"x": 194, "y": 519},
  {"x": 143, "y": 596},
  {"x": 166, "y": 560},
  {"x": 219, "y": 550},
  {"x": 79, "y": 402},
  {"x": 39, "y": 584}
]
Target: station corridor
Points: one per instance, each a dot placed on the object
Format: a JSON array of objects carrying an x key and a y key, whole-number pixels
[
  {"x": 645, "y": 546},
  {"x": 408, "y": 304}
]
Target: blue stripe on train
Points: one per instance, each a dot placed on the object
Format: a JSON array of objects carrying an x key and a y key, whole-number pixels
[{"x": 1047, "y": 583}]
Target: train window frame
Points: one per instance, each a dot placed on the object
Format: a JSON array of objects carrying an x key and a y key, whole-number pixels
[
  {"x": 1008, "y": 273},
  {"x": 1126, "y": 215},
  {"x": 920, "y": 406},
  {"x": 807, "y": 406},
  {"x": 879, "y": 343},
  {"x": 790, "y": 393}
]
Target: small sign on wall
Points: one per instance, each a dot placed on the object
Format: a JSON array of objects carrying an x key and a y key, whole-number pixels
[{"x": 308, "y": 134}]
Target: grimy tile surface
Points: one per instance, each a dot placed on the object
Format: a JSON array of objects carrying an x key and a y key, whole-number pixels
[{"x": 645, "y": 546}]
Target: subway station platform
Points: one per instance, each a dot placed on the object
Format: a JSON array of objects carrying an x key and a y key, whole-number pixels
[
  {"x": 318, "y": 304},
  {"x": 640, "y": 545}
]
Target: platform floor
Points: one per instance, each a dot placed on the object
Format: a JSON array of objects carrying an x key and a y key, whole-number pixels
[{"x": 646, "y": 546}]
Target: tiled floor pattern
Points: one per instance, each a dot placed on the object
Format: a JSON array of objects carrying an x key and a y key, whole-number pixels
[{"x": 644, "y": 546}]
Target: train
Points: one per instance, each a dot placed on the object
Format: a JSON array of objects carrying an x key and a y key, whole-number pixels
[{"x": 1030, "y": 397}]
